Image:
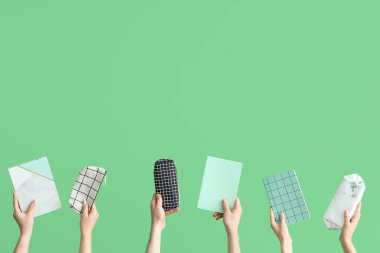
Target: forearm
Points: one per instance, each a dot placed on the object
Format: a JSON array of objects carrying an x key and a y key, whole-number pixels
[
  {"x": 287, "y": 246},
  {"x": 154, "y": 243},
  {"x": 347, "y": 245},
  {"x": 233, "y": 242},
  {"x": 85, "y": 243},
  {"x": 23, "y": 243}
]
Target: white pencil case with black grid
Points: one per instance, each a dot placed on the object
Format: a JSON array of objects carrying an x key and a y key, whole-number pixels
[
  {"x": 347, "y": 197},
  {"x": 86, "y": 187}
]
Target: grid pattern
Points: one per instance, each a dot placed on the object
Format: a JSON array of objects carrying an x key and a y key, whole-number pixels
[
  {"x": 86, "y": 187},
  {"x": 285, "y": 196},
  {"x": 165, "y": 181}
]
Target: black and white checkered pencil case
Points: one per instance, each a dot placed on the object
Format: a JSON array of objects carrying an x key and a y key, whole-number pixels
[
  {"x": 86, "y": 187},
  {"x": 166, "y": 183}
]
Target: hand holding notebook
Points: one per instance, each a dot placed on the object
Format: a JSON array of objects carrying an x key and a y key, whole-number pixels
[
  {"x": 25, "y": 220},
  {"x": 231, "y": 216},
  {"x": 281, "y": 231},
  {"x": 220, "y": 181},
  {"x": 34, "y": 181}
]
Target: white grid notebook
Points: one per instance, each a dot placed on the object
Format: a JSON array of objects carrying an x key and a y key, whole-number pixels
[
  {"x": 86, "y": 187},
  {"x": 285, "y": 196},
  {"x": 165, "y": 181}
]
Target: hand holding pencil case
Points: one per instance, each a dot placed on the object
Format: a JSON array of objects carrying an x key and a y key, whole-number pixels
[{"x": 86, "y": 187}]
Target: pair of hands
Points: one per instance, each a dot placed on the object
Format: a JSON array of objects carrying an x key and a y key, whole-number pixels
[
  {"x": 231, "y": 222},
  {"x": 231, "y": 217},
  {"x": 25, "y": 221},
  {"x": 348, "y": 230}
]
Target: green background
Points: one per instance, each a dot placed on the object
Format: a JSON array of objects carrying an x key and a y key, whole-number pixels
[{"x": 275, "y": 84}]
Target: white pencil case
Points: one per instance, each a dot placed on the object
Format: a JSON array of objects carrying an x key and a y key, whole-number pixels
[
  {"x": 86, "y": 187},
  {"x": 347, "y": 197}
]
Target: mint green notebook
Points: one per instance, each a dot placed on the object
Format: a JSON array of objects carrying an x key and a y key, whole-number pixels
[
  {"x": 220, "y": 181},
  {"x": 285, "y": 196}
]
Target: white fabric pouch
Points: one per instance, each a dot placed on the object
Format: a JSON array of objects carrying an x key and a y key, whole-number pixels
[
  {"x": 86, "y": 187},
  {"x": 347, "y": 197}
]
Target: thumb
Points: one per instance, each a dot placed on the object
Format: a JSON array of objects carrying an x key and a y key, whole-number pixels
[
  {"x": 159, "y": 200},
  {"x": 346, "y": 217},
  {"x": 356, "y": 217},
  {"x": 16, "y": 206},
  {"x": 93, "y": 209},
  {"x": 31, "y": 208},
  {"x": 153, "y": 202},
  {"x": 272, "y": 218},
  {"x": 226, "y": 207},
  {"x": 237, "y": 205},
  {"x": 282, "y": 219},
  {"x": 85, "y": 208}
]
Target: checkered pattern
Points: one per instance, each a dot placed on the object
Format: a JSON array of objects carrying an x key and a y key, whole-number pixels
[
  {"x": 86, "y": 187},
  {"x": 165, "y": 180},
  {"x": 285, "y": 196}
]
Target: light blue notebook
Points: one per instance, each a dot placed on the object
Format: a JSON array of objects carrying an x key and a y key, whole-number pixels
[
  {"x": 285, "y": 196},
  {"x": 220, "y": 181}
]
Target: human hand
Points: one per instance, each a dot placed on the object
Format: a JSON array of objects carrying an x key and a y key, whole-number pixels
[
  {"x": 88, "y": 219},
  {"x": 231, "y": 217},
  {"x": 349, "y": 228},
  {"x": 25, "y": 221},
  {"x": 157, "y": 212},
  {"x": 158, "y": 223},
  {"x": 281, "y": 231}
]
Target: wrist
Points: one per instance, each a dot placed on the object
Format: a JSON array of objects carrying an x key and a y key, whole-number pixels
[
  {"x": 26, "y": 232},
  {"x": 345, "y": 241},
  {"x": 232, "y": 231},
  {"x": 157, "y": 227},
  {"x": 286, "y": 242},
  {"x": 86, "y": 233}
]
